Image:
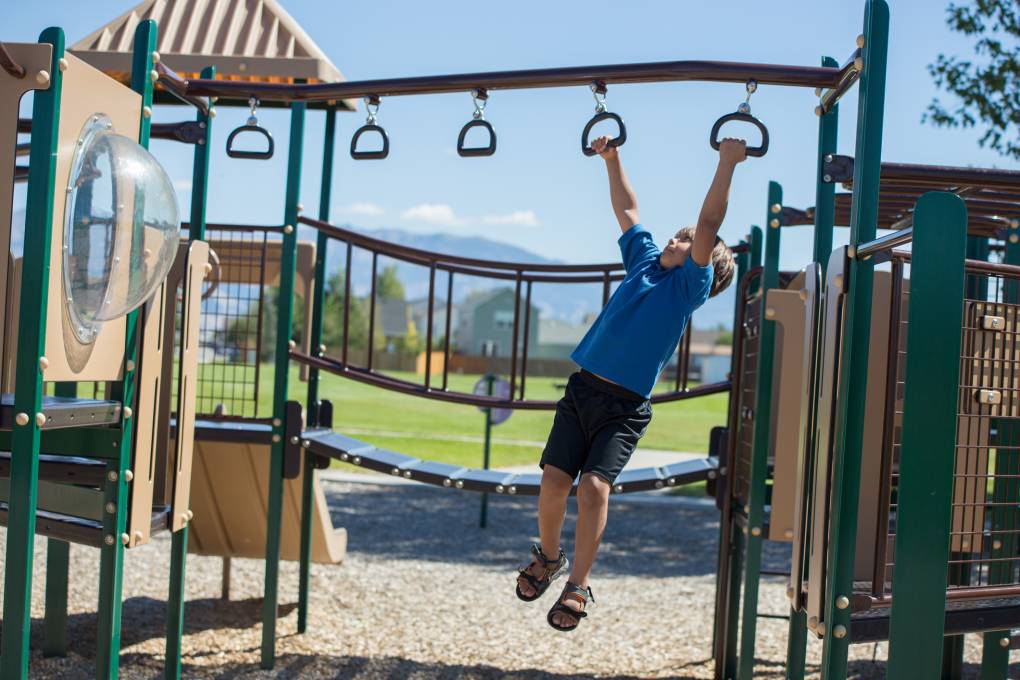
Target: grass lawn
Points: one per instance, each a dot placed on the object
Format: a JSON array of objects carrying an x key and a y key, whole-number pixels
[{"x": 452, "y": 433}]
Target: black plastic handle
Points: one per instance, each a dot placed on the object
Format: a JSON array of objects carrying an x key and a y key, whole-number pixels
[
  {"x": 596, "y": 119},
  {"x": 370, "y": 155},
  {"x": 478, "y": 150},
  {"x": 756, "y": 151},
  {"x": 254, "y": 155}
]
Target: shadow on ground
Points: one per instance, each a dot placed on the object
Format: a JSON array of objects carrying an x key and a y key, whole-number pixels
[{"x": 426, "y": 523}]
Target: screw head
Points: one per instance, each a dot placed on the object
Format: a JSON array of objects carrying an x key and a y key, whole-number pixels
[
  {"x": 770, "y": 313},
  {"x": 305, "y": 443},
  {"x": 395, "y": 472},
  {"x": 291, "y": 344},
  {"x": 712, "y": 474},
  {"x": 109, "y": 539},
  {"x": 277, "y": 422},
  {"x": 138, "y": 536},
  {"x": 111, "y": 508},
  {"x": 112, "y": 476},
  {"x": 447, "y": 483},
  {"x": 21, "y": 419},
  {"x": 127, "y": 412},
  {"x": 190, "y": 515},
  {"x": 776, "y": 208},
  {"x": 155, "y": 57},
  {"x": 43, "y": 78},
  {"x": 1013, "y": 238},
  {"x": 146, "y": 112},
  {"x": 826, "y": 178},
  {"x": 288, "y": 229},
  {"x": 829, "y": 158},
  {"x": 997, "y": 545},
  {"x": 356, "y": 460},
  {"x": 512, "y": 490},
  {"x": 842, "y": 602},
  {"x": 294, "y": 440},
  {"x": 839, "y": 632},
  {"x": 130, "y": 365},
  {"x": 276, "y": 438},
  {"x": 407, "y": 474},
  {"x": 789, "y": 592},
  {"x": 1004, "y": 642},
  {"x": 128, "y": 475},
  {"x": 44, "y": 363},
  {"x": 499, "y": 488},
  {"x": 459, "y": 484},
  {"x": 756, "y": 531},
  {"x": 322, "y": 349},
  {"x": 125, "y": 538},
  {"x": 40, "y": 419}
]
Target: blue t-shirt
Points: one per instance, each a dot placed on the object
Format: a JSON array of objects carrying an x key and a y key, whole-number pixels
[{"x": 639, "y": 328}]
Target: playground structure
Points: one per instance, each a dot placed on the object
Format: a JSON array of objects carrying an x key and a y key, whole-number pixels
[{"x": 885, "y": 458}]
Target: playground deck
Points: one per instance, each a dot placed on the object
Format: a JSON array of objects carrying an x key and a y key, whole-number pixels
[{"x": 655, "y": 554}]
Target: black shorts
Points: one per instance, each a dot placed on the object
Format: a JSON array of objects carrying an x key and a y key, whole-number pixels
[{"x": 597, "y": 426}]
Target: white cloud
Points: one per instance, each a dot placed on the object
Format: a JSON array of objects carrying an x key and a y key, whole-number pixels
[
  {"x": 364, "y": 209},
  {"x": 433, "y": 213},
  {"x": 520, "y": 218}
]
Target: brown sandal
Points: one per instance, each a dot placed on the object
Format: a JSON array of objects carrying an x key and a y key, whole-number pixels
[
  {"x": 578, "y": 594},
  {"x": 551, "y": 569}
]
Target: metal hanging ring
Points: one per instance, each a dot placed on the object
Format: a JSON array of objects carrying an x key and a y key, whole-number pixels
[
  {"x": 598, "y": 91},
  {"x": 480, "y": 98},
  {"x": 372, "y": 107},
  {"x": 253, "y": 105}
]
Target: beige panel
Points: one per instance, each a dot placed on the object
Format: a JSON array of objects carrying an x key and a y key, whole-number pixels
[
  {"x": 824, "y": 432},
  {"x": 150, "y": 374},
  {"x": 229, "y": 502},
  {"x": 34, "y": 57},
  {"x": 86, "y": 91},
  {"x": 809, "y": 281},
  {"x": 187, "y": 385},
  {"x": 788, "y": 311}
]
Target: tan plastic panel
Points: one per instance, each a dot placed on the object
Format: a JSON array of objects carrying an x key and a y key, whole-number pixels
[
  {"x": 824, "y": 433},
  {"x": 35, "y": 57},
  {"x": 86, "y": 91},
  {"x": 229, "y": 501},
  {"x": 146, "y": 445},
  {"x": 187, "y": 386},
  {"x": 787, "y": 308}
]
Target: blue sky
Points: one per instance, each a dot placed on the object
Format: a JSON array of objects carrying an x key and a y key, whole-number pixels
[{"x": 539, "y": 192}]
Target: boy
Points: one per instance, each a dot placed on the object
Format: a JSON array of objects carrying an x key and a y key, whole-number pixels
[{"x": 605, "y": 409}]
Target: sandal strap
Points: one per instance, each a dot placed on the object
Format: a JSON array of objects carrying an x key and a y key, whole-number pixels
[
  {"x": 536, "y": 550},
  {"x": 577, "y": 593},
  {"x": 560, "y": 608}
]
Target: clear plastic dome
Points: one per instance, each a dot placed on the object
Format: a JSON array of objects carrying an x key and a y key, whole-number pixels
[{"x": 121, "y": 228}]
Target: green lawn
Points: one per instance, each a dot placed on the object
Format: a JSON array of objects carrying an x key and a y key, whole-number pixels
[{"x": 452, "y": 433}]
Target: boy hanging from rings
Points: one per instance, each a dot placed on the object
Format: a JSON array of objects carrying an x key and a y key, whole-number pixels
[{"x": 605, "y": 408}]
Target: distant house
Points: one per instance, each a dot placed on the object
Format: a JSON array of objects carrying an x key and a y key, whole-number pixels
[
  {"x": 558, "y": 338},
  {"x": 419, "y": 316},
  {"x": 393, "y": 319},
  {"x": 485, "y": 323},
  {"x": 710, "y": 359}
]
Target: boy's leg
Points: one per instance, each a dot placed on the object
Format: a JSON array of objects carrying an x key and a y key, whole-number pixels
[
  {"x": 592, "y": 511},
  {"x": 552, "y": 507}
]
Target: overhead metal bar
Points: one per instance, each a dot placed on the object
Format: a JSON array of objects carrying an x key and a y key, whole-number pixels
[
  {"x": 839, "y": 168},
  {"x": 653, "y": 72}
]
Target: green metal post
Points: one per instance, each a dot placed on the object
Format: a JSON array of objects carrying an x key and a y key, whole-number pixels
[
  {"x": 761, "y": 442},
  {"x": 756, "y": 243},
  {"x": 28, "y": 389},
  {"x": 825, "y": 192},
  {"x": 288, "y": 265},
  {"x": 928, "y": 449},
  {"x": 852, "y": 385},
  {"x": 58, "y": 555},
  {"x": 315, "y": 332},
  {"x": 483, "y": 517},
  {"x": 996, "y": 644},
  {"x": 179, "y": 540},
  {"x": 115, "y": 491}
]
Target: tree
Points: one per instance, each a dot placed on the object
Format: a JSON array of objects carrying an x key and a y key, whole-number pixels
[
  {"x": 987, "y": 90},
  {"x": 388, "y": 285}
]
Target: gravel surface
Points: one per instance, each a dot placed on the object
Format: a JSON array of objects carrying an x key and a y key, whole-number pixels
[{"x": 426, "y": 594}]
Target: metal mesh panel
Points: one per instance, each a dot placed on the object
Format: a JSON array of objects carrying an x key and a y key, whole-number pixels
[{"x": 746, "y": 390}]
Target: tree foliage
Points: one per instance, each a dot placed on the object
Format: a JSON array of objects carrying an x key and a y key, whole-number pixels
[{"x": 988, "y": 88}]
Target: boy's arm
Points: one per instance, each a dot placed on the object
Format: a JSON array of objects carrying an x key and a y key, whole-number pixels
[
  {"x": 713, "y": 211},
  {"x": 622, "y": 196}
]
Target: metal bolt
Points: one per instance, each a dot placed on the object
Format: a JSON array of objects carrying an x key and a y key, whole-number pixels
[
  {"x": 1014, "y": 224},
  {"x": 277, "y": 422},
  {"x": 821, "y": 629},
  {"x": 300, "y": 207},
  {"x": 344, "y": 456},
  {"x": 997, "y": 545},
  {"x": 288, "y": 228},
  {"x": 774, "y": 223},
  {"x": 407, "y": 474},
  {"x": 747, "y": 509},
  {"x": 842, "y": 602},
  {"x": 770, "y": 313},
  {"x": 130, "y": 365},
  {"x": 839, "y": 632},
  {"x": 838, "y": 280},
  {"x": 183, "y": 517},
  {"x": 108, "y": 539},
  {"x": 212, "y": 113},
  {"x": 1004, "y": 642},
  {"x": 658, "y": 483},
  {"x": 111, "y": 508},
  {"x": 776, "y": 208},
  {"x": 711, "y": 474},
  {"x": 291, "y": 344},
  {"x": 62, "y": 65},
  {"x": 294, "y": 440},
  {"x": 671, "y": 481},
  {"x": 138, "y": 536},
  {"x": 190, "y": 515},
  {"x": 859, "y": 63},
  {"x": 860, "y": 41},
  {"x": 1013, "y": 238},
  {"x": 459, "y": 484},
  {"x": 153, "y": 75},
  {"x": 756, "y": 531},
  {"x": 395, "y": 472},
  {"x": 818, "y": 110},
  {"x": 789, "y": 592},
  {"x": 155, "y": 57},
  {"x": 512, "y": 490},
  {"x": 207, "y": 269},
  {"x": 826, "y": 178},
  {"x": 356, "y": 460},
  {"x": 618, "y": 488},
  {"x": 112, "y": 476},
  {"x": 322, "y": 349},
  {"x": 21, "y": 419},
  {"x": 802, "y": 294},
  {"x": 788, "y": 534},
  {"x": 447, "y": 483},
  {"x": 829, "y": 158},
  {"x": 812, "y": 623},
  {"x": 127, "y": 412},
  {"x": 43, "y": 78},
  {"x": 146, "y": 112},
  {"x": 818, "y": 92},
  {"x": 40, "y": 419},
  {"x": 125, "y": 538},
  {"x": 499, "y": 488},
  {"x": 305, "y": 443},
  {"x": 276, "y": 438}
]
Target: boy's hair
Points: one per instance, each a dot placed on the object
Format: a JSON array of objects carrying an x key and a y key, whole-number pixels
[{"x": 722, "y": 262}]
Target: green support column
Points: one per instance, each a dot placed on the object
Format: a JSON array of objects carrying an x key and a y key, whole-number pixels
[
  {"x": 928, "y": 450},
  {"x": 179, "y": 539},
  {"x": 28, "y": 388},
  {"x": 288, "y": 265},
  {"x": 115, "y": 491},
  {"x": 852, "y": 385},
  {"x": 312, "y": 403},
  {"x": 761, "y": 441},
  {"x": 756, "y": 243},
  {"x": 58, "y": 555},
  {"x": 996, "y": 644}
]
